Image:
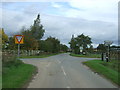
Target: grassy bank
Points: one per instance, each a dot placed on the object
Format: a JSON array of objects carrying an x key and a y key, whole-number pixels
[
  {"x": 15, "y": 74},
  {"x": 109, "y": 73},
  {"x": 40, "y": 56},
  {"x": 87, "y": 56},
  {"x": 16, "y": 77},
  {"x": 0, "y": 81}
]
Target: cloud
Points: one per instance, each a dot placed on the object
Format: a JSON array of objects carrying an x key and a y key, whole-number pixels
[
  {"x": 63, "y": 28},
  {"x": 55, "y": 5},
  {"x": 13, "y": 21},
  {"x": 103, "y": 10},
  {"x": 98, "y": 25}
]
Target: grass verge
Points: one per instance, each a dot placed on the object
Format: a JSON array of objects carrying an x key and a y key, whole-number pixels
[
  {"x": 40, "y": 56},
  {"x": 86, "y": 56},
  {"x": 0, "y": 81},
  {"x": 16, "y": 77},
  {"x": 109, "y": 73}
]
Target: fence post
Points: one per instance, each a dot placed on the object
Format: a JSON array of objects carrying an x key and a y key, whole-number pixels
[
  {"x": 102, "y": 57},
  {"x": 107, "y": 59}
]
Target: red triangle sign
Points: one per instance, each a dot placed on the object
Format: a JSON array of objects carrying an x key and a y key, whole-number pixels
[{"x": 19, "y": 38}]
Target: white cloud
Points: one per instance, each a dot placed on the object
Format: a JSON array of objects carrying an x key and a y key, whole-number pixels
[
  {"x": 13, "y": 21},
  {"x": 93, "y": 4},
  {"x": 98, "y": 24},
  {"x": 104, "y": 10},
  {"x": 34, "y": 0},
  {"x": 63, "y": 28},
  {"x": 55, "y": 5}
]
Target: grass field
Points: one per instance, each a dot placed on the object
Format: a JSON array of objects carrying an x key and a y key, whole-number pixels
[
  {"x": 87, "y": 56},
  {"x": 16, "y": 77},
  {"x": 40, "y": 56},
  {"x": 109, "y": 73}
]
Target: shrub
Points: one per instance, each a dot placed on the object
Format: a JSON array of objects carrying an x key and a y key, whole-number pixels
[{"x": 9, "y": 60}]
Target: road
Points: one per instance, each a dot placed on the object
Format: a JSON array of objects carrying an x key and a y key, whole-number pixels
[{"x": 64, "y": 71}]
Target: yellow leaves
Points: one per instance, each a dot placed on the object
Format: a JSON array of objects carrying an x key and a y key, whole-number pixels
[
  {"x": 3, "y": 36},
  {"x": 0, "y": 37}
]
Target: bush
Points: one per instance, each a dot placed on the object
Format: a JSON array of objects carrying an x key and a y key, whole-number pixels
[{"x": 9, "y": 60}]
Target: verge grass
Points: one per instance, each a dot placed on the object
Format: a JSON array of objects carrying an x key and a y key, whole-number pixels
[
  {"x": 17, "y": 77},
  {"x": 109, "y": 73},
  {"x": 40, "y": 56},
  {"x": 86, "y": 56}
]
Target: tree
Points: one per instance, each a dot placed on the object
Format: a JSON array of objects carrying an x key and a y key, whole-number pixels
[
  {"x": 73, "y": 44},
  {"x": 101, "y": 48},
  {"x": 45, "y": 46},
  {"x": 36, "y": 29},
  {"x": 33, "y": 35},
  {"x": 90, "y": 49},
  {"x": 30, "y": 43},
  {"x": 63, "y": 48},
  {"x": 4, "y": 38},
  {"x": 80, "y": 41},
  {"x": 83, "y": 41},
  {"x": 12, "y": 44},
  {"x": 55, "y": 47}
]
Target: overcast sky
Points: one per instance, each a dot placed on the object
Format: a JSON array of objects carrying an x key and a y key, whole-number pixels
[{"x": 95, "y": 18}]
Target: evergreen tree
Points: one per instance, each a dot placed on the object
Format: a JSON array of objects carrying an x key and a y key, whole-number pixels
[
  {"x": 101, "y": 48},
  {"x": 36, "y": 29}
]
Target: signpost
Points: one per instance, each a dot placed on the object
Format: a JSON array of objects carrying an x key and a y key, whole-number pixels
[
  {"x": 108, "y": 43},
  {"x": 19, "y": 39}
]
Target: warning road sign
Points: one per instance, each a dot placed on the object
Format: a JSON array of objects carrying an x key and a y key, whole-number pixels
[{"x": 19, "y": 39}]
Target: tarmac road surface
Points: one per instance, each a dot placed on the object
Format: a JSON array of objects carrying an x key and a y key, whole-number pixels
[{"x": 65, "y": 71}]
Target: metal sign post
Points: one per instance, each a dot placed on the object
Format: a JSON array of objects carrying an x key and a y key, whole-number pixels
[
  {"x": 108, "y": 43},
  {"x": 18, "y": 50}
]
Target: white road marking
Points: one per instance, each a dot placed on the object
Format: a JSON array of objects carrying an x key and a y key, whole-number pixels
[
  {"x": 59, "y": 62},
  {"x": 63, "y": 70},
  {"x": 67, "y": 87},
  {"x": 48, "y": 65}
]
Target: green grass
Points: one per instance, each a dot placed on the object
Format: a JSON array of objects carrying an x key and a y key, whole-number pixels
[
  {"x": 0, "y": 81},
  {"x": 86, "y": 56},
  {"x": 16, "y": 77},
  {"x": 40, "y": 56},
  {"x": 109, "y": 73}
]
